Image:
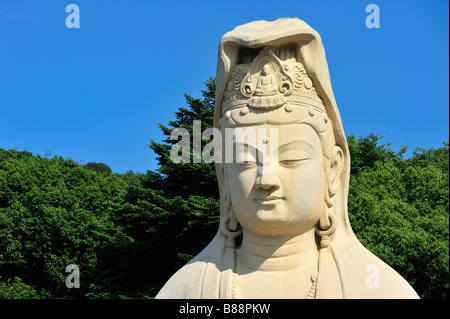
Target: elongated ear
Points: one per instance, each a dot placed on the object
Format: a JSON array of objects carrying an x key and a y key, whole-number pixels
[
  {"x": 227, "y": 213},
  {"x": 336, "y": 165},
  {"x": 333, "y": 169},
  {"x": 223, "y": 185},
  {"x": 225, "y": 190}
]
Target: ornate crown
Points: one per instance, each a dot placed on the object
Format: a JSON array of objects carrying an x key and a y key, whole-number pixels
[{"x": 272, "y": 79}]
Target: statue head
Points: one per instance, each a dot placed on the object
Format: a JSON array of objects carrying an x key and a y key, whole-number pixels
[
  {"x": 266, "y": 69},
  {"x": 288, "y": 164}
]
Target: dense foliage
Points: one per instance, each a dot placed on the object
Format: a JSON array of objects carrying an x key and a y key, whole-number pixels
[
  {"x": 399, "y": 209},
  {"x": 130, "y": 232}
]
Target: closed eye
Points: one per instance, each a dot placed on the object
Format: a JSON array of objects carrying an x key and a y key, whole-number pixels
[
  {"x": 292, "y": 162},
  {"x": 247, "y": 164}
]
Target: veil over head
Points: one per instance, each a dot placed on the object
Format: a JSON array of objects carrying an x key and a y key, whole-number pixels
[{"x": 308, "y": 50}]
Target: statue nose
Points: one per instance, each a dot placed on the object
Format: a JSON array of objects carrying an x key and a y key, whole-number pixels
[{"x": 267, "y": 182}]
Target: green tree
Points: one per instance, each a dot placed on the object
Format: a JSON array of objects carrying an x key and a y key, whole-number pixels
[
  {"x": 399, "y": 210},
  {"x": 166, "y": 232},
  {"x": 14, "y": 288},
  {"x": 53, "y": 213},
  {"x": 98, "y": 167},
  {"x": 179, "y": 177}
]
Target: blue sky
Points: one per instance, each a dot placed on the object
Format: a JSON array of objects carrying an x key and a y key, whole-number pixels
[{"x": 95, "y": 93}]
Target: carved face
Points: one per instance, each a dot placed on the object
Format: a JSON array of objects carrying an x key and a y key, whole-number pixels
[
  {"x": 278, "y": 189},
  {"x": 266, "y": 70}
]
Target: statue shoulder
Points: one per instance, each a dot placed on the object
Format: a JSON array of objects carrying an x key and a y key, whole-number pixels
[
  {"x": 372, "y": 278},
  {"x": 185, "y": 283}
]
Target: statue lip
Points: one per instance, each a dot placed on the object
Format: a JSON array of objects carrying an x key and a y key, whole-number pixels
[{"x": 270, "y": 200}]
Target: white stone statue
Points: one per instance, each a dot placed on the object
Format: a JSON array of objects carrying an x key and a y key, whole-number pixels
[{"x": 284, "y": 230}]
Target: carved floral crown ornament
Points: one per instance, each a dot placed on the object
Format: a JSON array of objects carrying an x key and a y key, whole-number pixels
[{"x": 274, "y": 78}]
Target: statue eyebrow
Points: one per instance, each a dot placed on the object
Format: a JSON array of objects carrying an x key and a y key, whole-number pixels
[
  {"x": 302, "y": 141},
  {"x": 299, "y": 140},
  {"x": 245, "y": 143}
]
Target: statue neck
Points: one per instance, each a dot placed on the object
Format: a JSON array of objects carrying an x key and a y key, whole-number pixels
[{"x": 278, "y": 253}]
